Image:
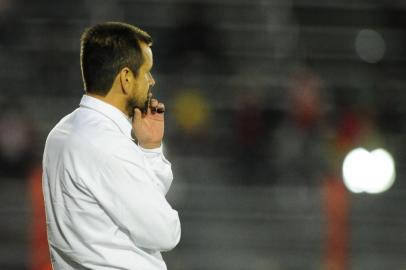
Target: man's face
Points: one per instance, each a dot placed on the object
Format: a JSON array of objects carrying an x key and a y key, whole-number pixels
[{"x": 143, "y": 81}]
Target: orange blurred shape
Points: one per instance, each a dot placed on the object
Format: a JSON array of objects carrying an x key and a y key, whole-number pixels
[
  {"x": 336, "y": 201},
  {"x": 38, "y": 243}
]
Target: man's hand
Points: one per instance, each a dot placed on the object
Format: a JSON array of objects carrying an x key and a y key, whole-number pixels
[{"x": 148, "y": 127}]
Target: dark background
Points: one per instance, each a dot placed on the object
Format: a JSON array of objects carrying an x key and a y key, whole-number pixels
[{"x": 264, "y": 99}]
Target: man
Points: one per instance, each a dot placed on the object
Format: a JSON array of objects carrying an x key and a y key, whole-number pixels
[{"x": 104, "y": 194}]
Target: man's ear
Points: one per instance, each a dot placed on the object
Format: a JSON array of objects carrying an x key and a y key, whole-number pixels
[{"x": 126, "y": 77}]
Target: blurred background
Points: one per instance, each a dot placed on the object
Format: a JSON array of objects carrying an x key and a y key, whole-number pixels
[{"x": 266, "y": 102}]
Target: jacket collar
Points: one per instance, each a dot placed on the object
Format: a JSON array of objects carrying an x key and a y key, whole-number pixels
[{"x": 118, "y": 117}]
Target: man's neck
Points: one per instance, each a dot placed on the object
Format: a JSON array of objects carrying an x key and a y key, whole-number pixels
[{"x": 112, "y": 100}]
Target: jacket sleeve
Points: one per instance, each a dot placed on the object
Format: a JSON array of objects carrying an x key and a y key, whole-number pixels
[
  {"x": 128, "y": 194},
  {"x": 159, "y": 168}
]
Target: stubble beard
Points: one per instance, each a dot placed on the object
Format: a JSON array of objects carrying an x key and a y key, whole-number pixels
[{"x": 133, "y": 103}]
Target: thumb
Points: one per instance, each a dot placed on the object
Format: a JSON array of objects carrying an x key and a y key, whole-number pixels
[{"x": 137, "y": 114}]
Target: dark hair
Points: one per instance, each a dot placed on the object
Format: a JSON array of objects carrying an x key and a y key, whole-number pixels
[{"x": 106, "y": 49}]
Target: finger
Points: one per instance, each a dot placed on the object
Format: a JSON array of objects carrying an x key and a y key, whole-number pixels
[
  {"x": 160, "y": 108},
  {"x": 153, "y": 105},
  {"x": 150, "y": 97},
  {"x": 154, "y": 102},
  {"x": 137, "y": 114}
]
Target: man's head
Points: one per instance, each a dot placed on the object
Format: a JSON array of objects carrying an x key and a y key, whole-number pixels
[{"x": 117, "y": 56}]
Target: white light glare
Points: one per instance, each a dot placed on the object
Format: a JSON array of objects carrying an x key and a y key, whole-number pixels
[{"x": 371, "y": 172}]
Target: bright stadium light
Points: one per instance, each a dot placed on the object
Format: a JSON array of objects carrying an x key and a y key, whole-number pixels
[{"x": 371, "y": 172}]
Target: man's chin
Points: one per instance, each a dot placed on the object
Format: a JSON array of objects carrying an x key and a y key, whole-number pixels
[{"x": 132, "y": 104}]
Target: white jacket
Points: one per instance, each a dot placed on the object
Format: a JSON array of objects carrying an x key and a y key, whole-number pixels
[{"x": 104, "y": 195}]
